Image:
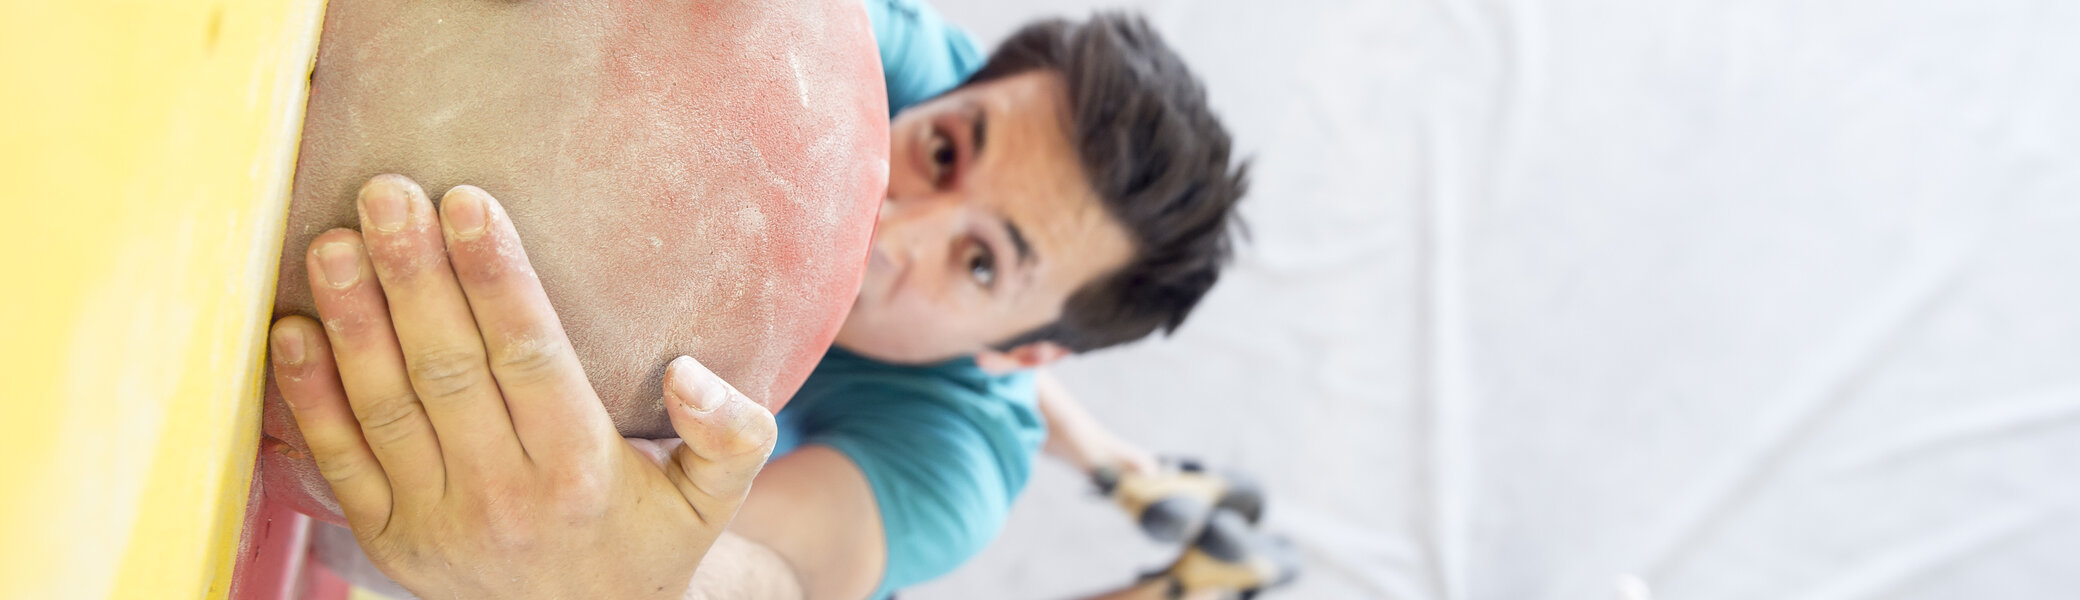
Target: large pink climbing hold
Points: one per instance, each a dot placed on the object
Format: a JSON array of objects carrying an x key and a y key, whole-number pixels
[{"x": 696, "y": 178}]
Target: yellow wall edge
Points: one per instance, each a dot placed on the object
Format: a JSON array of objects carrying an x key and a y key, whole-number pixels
[{"x": 147, "y": 149}]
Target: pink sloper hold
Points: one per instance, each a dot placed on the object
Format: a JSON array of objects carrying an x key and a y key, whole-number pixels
[{"x": 695, "y": 178}]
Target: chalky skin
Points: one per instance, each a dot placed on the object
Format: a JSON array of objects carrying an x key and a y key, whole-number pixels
[{"x": 691, "y": 178}]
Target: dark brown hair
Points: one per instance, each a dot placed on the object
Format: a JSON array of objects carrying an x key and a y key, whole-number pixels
[{"x": 1158, "y": 159}]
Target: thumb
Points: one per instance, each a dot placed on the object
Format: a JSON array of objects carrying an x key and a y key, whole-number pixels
[{"x": 726, "y": 436}]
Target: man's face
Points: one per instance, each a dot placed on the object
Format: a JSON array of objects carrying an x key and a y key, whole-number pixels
[{"x": 988, "y": 227}]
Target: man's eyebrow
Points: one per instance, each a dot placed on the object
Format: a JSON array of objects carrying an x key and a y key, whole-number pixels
[
  {"x": 979, "y": 126},
  {"x": 1018, "y": 242}
]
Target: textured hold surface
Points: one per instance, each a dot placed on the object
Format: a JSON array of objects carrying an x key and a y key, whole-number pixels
[
  {"x": 679, "y": 188},
  {"x": 1689, "y": 299}
]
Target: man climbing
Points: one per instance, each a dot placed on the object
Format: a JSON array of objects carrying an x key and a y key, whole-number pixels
[{"x": 1073, "y": 193}]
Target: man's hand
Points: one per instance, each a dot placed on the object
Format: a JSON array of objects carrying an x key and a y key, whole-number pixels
[{"x": 471, "y": 457}]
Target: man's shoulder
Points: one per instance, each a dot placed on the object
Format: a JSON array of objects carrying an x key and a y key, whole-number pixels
[
  {"x": 899, "y": 406},
  {"x": 922, "y": 55},
  {"x": 851, "y": 380}
]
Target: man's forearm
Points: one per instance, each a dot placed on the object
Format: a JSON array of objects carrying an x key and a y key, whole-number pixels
[
  {"x": 1069, "y": 426},
  {"x": 737, "y": 568},
  {"x": 1076, "y": 436}
]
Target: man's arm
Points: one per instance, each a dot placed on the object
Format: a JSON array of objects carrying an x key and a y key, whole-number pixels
[
  {"x": 814, "y": 512},
  {"x": 1075, "y": 436},
  {"x": 810, "y": 529},
  {"x": 738, "y": 568}
]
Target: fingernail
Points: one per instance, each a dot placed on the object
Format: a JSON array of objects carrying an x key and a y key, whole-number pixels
[
  {"x": 288, "y": 346},
  {"x": 464, "y": 211},
  {"x": 341, "y": 264},
  {"x": 384, "y": 201},
  {"x": 687, "y": 387}
]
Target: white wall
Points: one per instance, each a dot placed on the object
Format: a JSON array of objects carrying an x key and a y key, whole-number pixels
[{"x": 1761, "y": 299}]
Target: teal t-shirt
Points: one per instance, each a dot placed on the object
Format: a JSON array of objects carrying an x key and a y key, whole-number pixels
[
  {"x": 922, "y": 55},
  {"x": 946, "y": 448}
]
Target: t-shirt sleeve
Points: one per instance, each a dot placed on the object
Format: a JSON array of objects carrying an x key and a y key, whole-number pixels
[
  {"x": 922, "y": 55},
  {"x": 942, "y": 479}
]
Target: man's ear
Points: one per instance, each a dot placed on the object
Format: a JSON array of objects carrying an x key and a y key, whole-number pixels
[{"x": 1022, "y": 357}]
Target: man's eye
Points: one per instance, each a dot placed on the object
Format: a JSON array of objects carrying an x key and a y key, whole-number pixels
[
  {"x": 940, "y": 150},
  {"x": 983, "y": 266}
]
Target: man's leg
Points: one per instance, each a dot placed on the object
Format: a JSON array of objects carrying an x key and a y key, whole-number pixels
[{"x": 1154, "y": 589}]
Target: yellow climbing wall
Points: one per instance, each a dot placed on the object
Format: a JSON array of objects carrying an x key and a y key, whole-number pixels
[{"x": 145, "y": 154}]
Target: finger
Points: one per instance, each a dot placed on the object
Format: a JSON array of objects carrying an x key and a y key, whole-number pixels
[
  {"x": 371, "y": 368},
  {"x": 309, "y": 381},
  {"x": 553, "y": 405},
  {"x": 443, "y": 352},
  {"x": 726, "y": 439}
]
